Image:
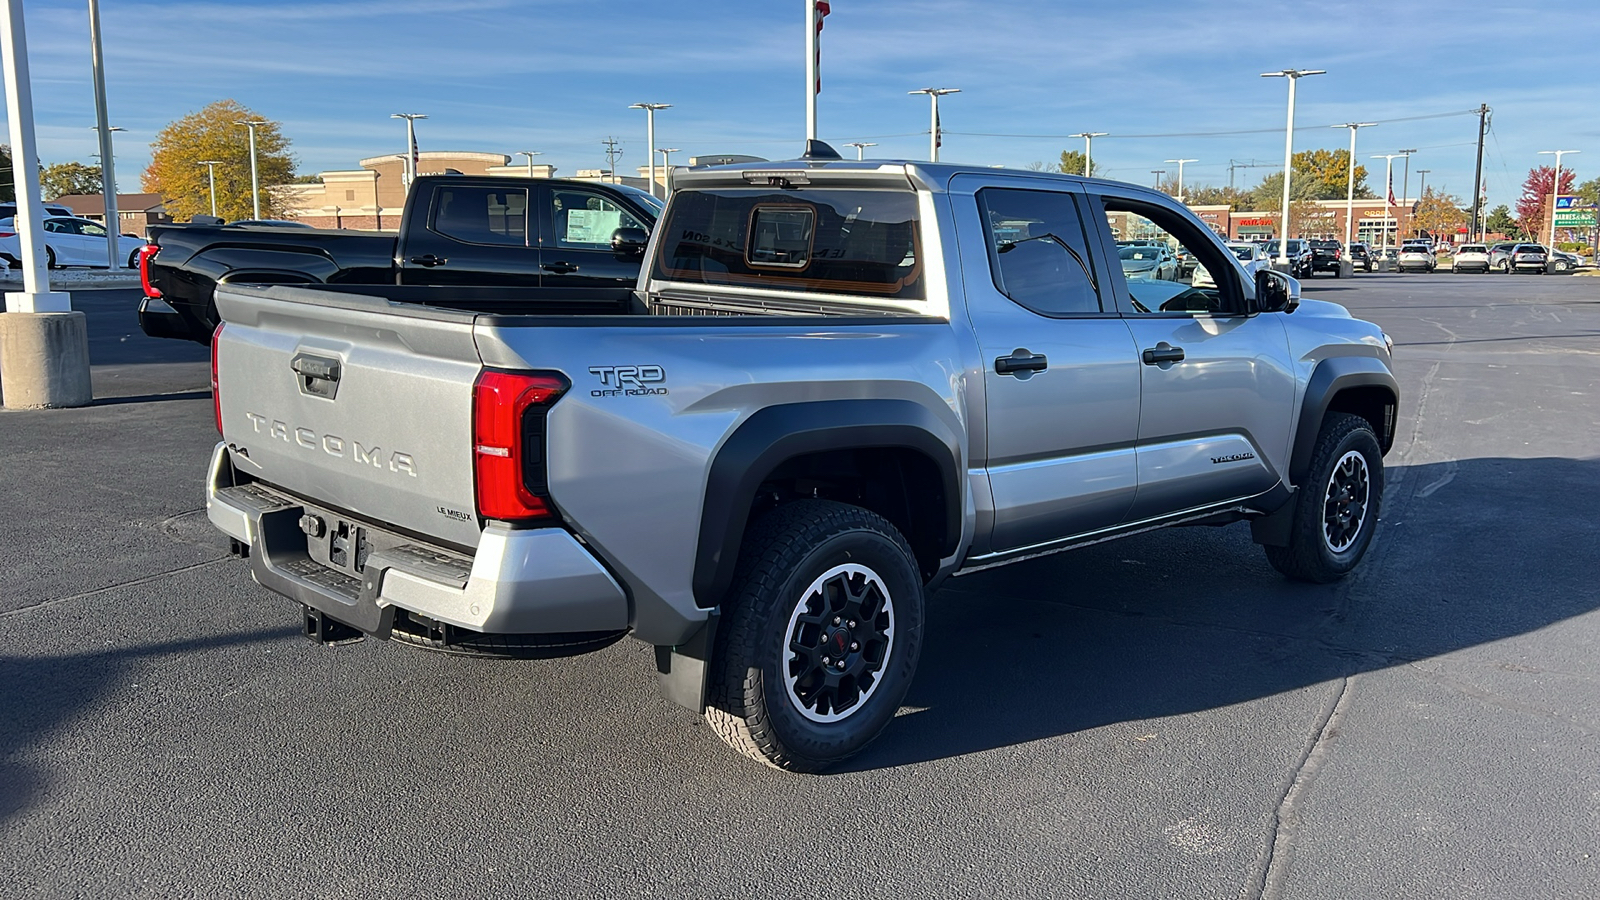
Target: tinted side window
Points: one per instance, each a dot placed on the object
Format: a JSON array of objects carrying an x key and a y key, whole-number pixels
[
  {"x": 482, "y": 215},
  {"x": 1038, "y": 252},
  {"x": 1155, "y": 282},
  {"x": 585, "y": 220}
]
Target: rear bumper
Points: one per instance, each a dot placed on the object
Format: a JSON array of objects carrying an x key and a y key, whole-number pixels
[
  {"x": 519, "y": 581},
  {"x": 158, "y": 319}
]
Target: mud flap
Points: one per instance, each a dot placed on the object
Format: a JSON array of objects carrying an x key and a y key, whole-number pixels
[{"x": 683, "y": 670}]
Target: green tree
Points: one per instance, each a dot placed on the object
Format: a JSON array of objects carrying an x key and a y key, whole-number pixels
[
  {"x": 1318, "y": 175},
  {"x": 1072, "y": 164},
  {"x": 1589, "y": 191},
  {"x": 66, "y": 178},
  {"x": 177, "y": 174},
  {"x": 1206, "y": 195},
  {"x": 1439, "y": 213},
  {"x": 1501, "y": 222},
  {"x": 8, "y": 187}
]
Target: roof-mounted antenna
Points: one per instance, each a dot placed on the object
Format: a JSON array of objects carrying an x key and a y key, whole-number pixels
[{"x": 816, "y": 149}]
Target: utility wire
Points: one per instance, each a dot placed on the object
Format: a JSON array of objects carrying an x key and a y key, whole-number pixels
[{"x": 1464, "y": 112}]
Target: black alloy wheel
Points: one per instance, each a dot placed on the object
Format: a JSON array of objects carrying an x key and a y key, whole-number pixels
[{"x": 1336, "y": 507}]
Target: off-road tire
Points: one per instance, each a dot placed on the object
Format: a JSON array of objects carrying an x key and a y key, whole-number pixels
[
  {"x": 1309, "y": 555},
  {"x": 750, "y": 704}
]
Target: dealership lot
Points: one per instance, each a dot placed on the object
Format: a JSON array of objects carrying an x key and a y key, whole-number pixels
[{"x": 1161, "y": 716}]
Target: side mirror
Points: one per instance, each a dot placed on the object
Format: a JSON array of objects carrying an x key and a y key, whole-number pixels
[
  {"x": 1276, "y": 292},
  {"x": 629, "y": 241}
]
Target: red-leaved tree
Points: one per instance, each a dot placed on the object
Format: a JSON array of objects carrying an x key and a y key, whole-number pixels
[{"x": 1533, "y": 207}]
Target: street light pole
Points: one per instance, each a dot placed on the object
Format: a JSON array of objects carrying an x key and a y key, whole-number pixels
[
  {"x": 1555, "y": 191},
  {"x": 666, "y": 165},
  {"x": 1158, "y": 173},
  {"x": 1088, "y": 148},
  {"x": 650, "y": 136},
  {"x": 1350, "y": 182},
  {"x": 108, "y": 177},
  {"x": 255, "y": 174},
  {"x": 861, "y": 148},
  {"x": 409, "y": 173},
  {"x": 211, "y": 173},
  {"x": 933, "y": 134},
  {"x": 1422, "y": 183},
  {"x": 1388, "y": 193},
  {"x": 1180, "y": 163},
  {"x": 530, "y": 154},
  {"x": 1294, "y": 75},
  {"x": 1405, "y": 175}
]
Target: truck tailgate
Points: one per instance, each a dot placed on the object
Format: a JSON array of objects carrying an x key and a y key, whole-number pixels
[{"x": 353, "y": 402}]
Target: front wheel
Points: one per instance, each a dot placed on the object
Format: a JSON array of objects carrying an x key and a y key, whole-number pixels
[
  {"x": 50, "y": 258},
  {"x": 1336, "y": 509},
  {"x": 819, "y": 638}
]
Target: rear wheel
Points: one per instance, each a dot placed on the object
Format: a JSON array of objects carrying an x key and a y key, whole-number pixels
[
  {"x": 820, "y": 636},
  {"x": 1337, "y": 508},
  {"x": 50, "y": 259}
]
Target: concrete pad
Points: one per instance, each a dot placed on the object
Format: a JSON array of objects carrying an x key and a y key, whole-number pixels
[{"x": 44, "y": 360}]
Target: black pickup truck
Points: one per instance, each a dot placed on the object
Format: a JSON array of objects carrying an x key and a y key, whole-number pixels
[{"x": 526, "y": 242}]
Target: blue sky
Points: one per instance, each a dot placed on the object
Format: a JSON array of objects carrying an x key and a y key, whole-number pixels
[{"x": 558, "y": 75}]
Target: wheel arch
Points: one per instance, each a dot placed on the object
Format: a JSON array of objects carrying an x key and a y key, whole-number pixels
[
  {"x": 1360, "y": 385},
  {"x": 894, "y": 457}
]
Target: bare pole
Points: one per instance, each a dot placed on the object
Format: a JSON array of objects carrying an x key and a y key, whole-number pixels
[
  {"x": 650, "y": 136},
  {"x": 1388, "y": 191},
  {"x": 1475, "y": 232},
  {"x": 1294, "y": 75},
  {"x": 1180, "y": 163},
  {"x": 530, "y": 154},
  {"x": 1350, "y": 182},
  {"x": 861, "y": 148},
  {"x": 611, "y": 156},
  {"x": 933, "y": 127},
  {"x": 108, "y": 177},
  {"x": 211, "y": 174},
  {"x": 255, "y": 174},
  {"x": 666, "y": 165},
  {"x": 1158, "y": 173},
  {"x": 811, "y": 70},
  {"x": 1088, "y": 148},
  {"x": 35, "y": 295},
  {"x": 409, "y": 171}
]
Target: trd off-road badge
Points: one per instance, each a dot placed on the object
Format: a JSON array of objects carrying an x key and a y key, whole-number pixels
[{"x": 628, "y": 381}]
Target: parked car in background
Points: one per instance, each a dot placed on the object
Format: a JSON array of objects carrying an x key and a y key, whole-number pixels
[
  {"x": 1361, "y": 257},
  {"x": 1415, "y": 258},
  {"x": 1148, "y": 262},
  {"x": 1326, "y": 256},
  {"x": 1248, "y": 253},
  {"x": 1470, "y": 258},
  {"x": 1186, "y": 262},
  {"x": 8, "y": 209},
  {"x": 1299, "y": 253},
  {"x": 1500, "y": 256},
  {"x": 68, "y": 241},
  {"x": 1529, "y": 258},
  {"x": 1562, "y": 261}
]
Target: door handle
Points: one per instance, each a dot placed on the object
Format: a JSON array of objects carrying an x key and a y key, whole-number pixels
[
  {"x": 1163, "y": 353},
  {"x": 559, "y": 268},
  {"x": 427, "y": 260},
  {"x": 1021, "y": 363}
]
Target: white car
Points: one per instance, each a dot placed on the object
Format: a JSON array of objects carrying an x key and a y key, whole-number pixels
[
  {"x": 1250, "y": 256},
  {"x": 1415, "y": 257},
  {"x": 1470, "y": 258},
  {"x": 69, "y": 241}
]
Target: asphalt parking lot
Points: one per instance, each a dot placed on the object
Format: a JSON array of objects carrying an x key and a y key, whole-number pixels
[{"x": 1157, "y": 717}]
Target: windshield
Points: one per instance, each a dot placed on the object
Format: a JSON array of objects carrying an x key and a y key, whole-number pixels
[
  {"x": 1150, "y": 253},
  {"x": 650, "y": 202},
  {"x": 1473, "y": 248},
  {"x": 1243, "y": 253}
]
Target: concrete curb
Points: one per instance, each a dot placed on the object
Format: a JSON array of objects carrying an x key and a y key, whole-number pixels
[{"x": 69, "y": 280}]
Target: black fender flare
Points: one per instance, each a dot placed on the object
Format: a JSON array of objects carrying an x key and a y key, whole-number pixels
[
  {"x": 1331, "y": 376},
  {"x": 776, "y": 434}
]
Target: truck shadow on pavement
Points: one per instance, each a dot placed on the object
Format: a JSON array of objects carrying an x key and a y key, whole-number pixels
[
  {"x": 1184, "y": 620},
  {"x": 48, "y": 693}
]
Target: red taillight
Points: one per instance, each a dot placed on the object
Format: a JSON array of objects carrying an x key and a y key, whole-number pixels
[
  {"x": 216, "y": 393},
  {"x": 508, "y": 419},
  {"x": 147, "y": 253},
  {"x": 4, "y": 234}
]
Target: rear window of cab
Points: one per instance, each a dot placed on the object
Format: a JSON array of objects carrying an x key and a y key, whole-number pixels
[{"x": 862, "y": 242}]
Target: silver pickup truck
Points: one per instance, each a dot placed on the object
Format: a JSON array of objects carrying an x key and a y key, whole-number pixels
[{"x": 840, "y": 383}]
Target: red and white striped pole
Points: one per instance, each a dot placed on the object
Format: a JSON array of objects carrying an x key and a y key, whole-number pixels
[{"x": 816, "y": 10}]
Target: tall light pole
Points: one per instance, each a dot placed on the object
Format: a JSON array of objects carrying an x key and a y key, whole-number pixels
[
  {"x": 1555, "y": 190},
  {"x": 410, "y": 171},
  {"x": 1388, "y": 193},
  {"x": 108, "y": 176},
  {"x": 530, "y": 154},
  {"x": 1088, "y": 148},
  {"x": 1158, "y": 173},
  {"x": 255, "y": 173},
  {"x": 1350, "y": 182},
  {"x": 1405, "y": 176},
  {"x": 933, "y": 139},
  {"x": 1422, "y": 183},
  {"x": 650, "y": 136},
  {"x": 666, "y": 166},
  {"x": 1294, "y": 75},
  {"x": 861, "y": 148},
  {"x": 35, "y": 296},
  {"x": 211, "y": 173},
  {"x": 1180, "y": 163}
]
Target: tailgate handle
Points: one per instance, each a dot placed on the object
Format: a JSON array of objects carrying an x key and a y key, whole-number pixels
[{"x": 319, "y": 375}]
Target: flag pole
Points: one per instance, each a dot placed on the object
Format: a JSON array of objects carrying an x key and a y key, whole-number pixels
[{"x": 811, "y": 70}]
